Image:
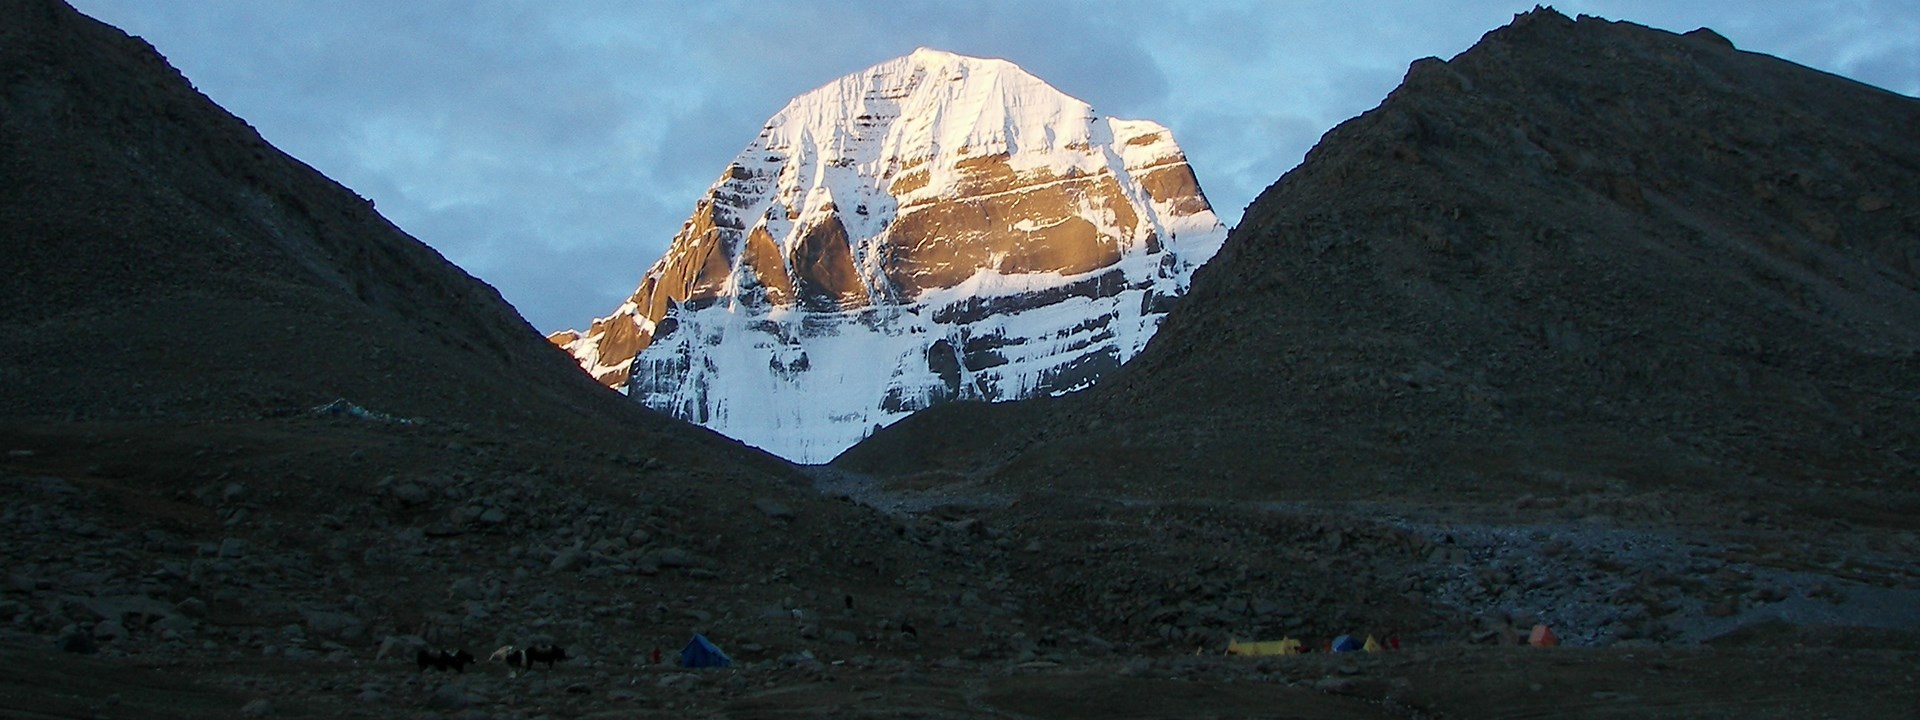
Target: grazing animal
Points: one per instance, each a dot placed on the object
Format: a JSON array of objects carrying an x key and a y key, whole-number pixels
[
  {"x": 527, "y": 656},
  {"x": 545, "y": 653},
  {"x": 456, "y": 661}
]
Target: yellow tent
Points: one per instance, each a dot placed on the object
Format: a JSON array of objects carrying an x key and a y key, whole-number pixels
[
  {"x": 1284, "y": 646},
  {"x": 1371, "y": 645}
]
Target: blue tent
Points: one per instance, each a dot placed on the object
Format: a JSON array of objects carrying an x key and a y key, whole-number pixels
[
  {"x": 701, "y": 652},
  {"x": 1346, "y": 643}
]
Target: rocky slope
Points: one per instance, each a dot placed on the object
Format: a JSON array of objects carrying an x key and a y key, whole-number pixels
[
  {"x": 1580, "y": 257},
  {"x": 165, "y": 261},
  {"x": 933, "y": 228}
]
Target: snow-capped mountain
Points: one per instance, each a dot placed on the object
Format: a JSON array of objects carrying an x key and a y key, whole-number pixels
[{"x": 934, "y": 228}]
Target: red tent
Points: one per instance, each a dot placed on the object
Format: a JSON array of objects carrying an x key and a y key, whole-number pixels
[{"x": 1543, "y": 637}]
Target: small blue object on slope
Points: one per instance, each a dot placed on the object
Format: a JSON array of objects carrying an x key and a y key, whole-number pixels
[{"x": 701, "y": 652}]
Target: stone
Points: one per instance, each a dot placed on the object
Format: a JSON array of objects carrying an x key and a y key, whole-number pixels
[
  {"x": 466, "y": 588},
  {"x": 1334, "y": 685},
  {"x": 409, "y": 493},
  {"x": 677, "y": 679},
  {"x": 569, "y": 559},
  {"x": 77, "y": 642},
  {"x": 179, "y": 625},
  {"x": 233, "y": 548},
  {"x": 192, "y": 607},
  {"x": 463, "y": 514},
  {"x": 1768, "y": 594},
  {"x": 400, "y": 646},
  {"x": 109, "y": 630},
  {"x": 115, "y": 608},
  {"x": 670, "y": 558},
  {"x": 451, "y": 697},
  {"x": 332, "y": 623},
  {"x": 493, "y": 516},
  {"x": 774, "y": 509},
  {"x": 258, "y": 708}
]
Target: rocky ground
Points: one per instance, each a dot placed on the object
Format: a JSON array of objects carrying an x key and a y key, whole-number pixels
[{"x": 155, "y": 589}]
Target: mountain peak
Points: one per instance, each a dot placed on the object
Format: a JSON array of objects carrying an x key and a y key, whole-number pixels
[
  {"x": 927, "y": 57},
  {"x": 931, "y": 103},
  {"x": 931, "y": 56},
  {"x": 907, "y": 235}
]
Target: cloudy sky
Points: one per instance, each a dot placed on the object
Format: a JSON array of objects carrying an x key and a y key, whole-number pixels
[{"x": 553, "y": 148}]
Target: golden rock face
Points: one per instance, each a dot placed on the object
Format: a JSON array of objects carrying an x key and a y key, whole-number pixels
[
  {"x": 993, "y": 218},
  {"x": 619, "y": 338},
  {"x": 826, "y": 279},
  {"x": 988, "y": 214},
  {"x": 1175, "y": 185},
  {"x": 696, "y": 268},
  {"x": 1009, "y": 222},
  {"x": 908, "y": 182},
  {"x": 763, "y": 259}
]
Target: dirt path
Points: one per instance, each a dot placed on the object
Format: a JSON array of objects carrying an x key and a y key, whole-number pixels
[
  {"x": 872, "y": 492},
  {"x": 50, "y": 684}
]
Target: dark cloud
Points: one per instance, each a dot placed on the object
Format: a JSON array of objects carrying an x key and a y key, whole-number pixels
[{"x": 553, "y": 149}]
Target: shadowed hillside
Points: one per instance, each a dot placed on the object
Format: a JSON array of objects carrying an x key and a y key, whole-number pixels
[
  {"x": 164, "y": 261},
  {"x": 1581, "y": 256}
]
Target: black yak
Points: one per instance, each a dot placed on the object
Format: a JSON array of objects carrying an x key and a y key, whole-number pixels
[
  {"x": 545, "y": 653},
  {"x": 527, "y": 656},
  {"x": 456, "y": 661}
]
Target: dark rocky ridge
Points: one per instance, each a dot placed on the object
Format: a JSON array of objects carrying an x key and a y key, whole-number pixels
[
  {"x": 164, "y": 262},
  {"x": 148, "y": 230},
  {"x": 1582, "y": 255}
]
